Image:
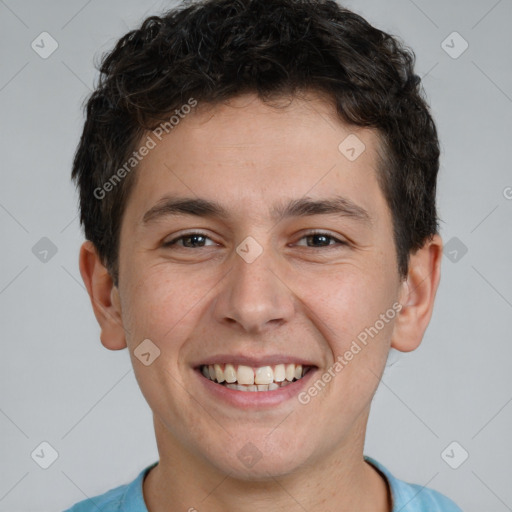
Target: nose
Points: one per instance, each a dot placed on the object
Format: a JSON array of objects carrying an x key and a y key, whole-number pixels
[{"x": 254, "y": 296}]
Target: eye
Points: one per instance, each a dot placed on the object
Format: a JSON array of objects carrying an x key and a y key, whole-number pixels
[
  {"x": 323, "y": 238},
  {"x": 197, "y": 240},
  {"x": 190, "y": 240}
]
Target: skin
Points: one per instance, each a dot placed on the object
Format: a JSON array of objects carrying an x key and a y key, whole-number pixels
[{"x": 304, "y": 297}]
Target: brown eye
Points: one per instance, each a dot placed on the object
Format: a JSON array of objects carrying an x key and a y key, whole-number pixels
[
  {"x": 190, "y": 241},
  {"x": 321, "y": 239}
]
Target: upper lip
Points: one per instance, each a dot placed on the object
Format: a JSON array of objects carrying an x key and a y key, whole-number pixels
[{"x": 268, "y": 360}]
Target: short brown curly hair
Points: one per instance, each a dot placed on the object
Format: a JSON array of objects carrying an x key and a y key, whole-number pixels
[{"x": 213, "y": 50}]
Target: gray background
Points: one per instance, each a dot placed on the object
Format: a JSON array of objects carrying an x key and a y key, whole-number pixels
[{"x": 61, "y": 386}]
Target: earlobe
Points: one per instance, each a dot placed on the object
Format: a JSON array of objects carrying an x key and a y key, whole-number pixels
[
  {"x": 104, "y": 297},
  {"x": 417, "y": 296}
]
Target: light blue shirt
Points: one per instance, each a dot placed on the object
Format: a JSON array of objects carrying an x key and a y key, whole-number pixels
[{"x": 406, "y": 497}]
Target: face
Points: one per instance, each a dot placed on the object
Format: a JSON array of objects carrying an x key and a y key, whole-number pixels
[{"x": 257, "y": 280}]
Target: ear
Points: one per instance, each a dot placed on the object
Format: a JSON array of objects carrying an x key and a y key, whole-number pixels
[
  {"x": 417, "y": 295},
  {"x": 104, "y": 297}
]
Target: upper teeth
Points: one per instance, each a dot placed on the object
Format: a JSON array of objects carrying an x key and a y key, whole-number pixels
[{"x": 248, "y": 375}]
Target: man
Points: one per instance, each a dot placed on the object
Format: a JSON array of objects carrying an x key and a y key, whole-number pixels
[{"x": 257, "y": 187}]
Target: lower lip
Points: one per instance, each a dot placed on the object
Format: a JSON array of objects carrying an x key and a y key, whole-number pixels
[{"x": 256, "y": 399}]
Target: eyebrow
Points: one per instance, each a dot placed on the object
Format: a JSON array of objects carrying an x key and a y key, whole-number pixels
[{"x": 303, "y": 207}]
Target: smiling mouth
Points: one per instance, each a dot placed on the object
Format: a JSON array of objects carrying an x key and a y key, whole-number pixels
[{"x": 247, "y": 378}]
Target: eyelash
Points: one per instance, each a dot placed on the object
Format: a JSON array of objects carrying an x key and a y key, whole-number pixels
[{"x": 312, "y": 233}]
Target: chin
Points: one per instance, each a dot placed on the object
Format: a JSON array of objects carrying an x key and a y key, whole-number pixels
[
  {"x": 259, "y": 459},
  {"x": 263, "y": 470}
]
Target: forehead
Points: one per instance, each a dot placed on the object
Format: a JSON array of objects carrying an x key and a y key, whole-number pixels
[{"x": 249, "y": 157}]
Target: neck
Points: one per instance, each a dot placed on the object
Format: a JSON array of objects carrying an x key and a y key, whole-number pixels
[{"x": 342, "y": 481}]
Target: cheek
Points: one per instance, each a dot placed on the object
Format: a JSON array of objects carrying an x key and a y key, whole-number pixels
[
  {"x": 164, "y": 306},
  {"x": 345, "y": 302},
  {"x": 347, "y": 308},
  {"x": 151, "y": 307},
  {"x": 361, "y": 329}
]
